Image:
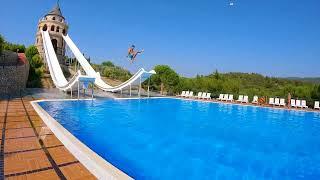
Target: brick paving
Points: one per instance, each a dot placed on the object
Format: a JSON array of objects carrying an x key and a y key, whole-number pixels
[{"x": 29, "y": 150}]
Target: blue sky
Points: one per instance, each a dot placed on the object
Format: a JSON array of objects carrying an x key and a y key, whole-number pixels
[{"x": 271, "y": 37}]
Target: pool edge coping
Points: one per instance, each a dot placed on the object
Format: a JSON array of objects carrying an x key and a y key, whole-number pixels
[{"x": 98, "y": 166}]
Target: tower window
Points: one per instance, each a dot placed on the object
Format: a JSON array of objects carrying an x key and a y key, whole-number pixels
[
  {"x": 64, "y": 32},
  {"x": 52, "y": 28},
  {"x": 44, "y": 28},
  {"x": 60, "y": 19},
  {"x": 58, "y": 29},
  {"x": 54, "y": 18}
]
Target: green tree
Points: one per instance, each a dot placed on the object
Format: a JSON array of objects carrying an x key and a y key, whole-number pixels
[
  {"x": 166, "y": 79},
  {"x": 31, "y": 51},
  {"x": 108, "y": 63},
  {"x": 36, "y": 67},
  {"x": 1, "y": 44},
  {"x": 36, "y": 61},
  {"x": 14, "y": 47}
]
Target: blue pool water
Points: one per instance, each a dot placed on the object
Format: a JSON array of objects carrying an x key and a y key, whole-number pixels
[{"x": 181, "y": 139}]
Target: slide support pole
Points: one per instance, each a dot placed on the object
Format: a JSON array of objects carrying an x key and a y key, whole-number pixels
[
  {"x": 92, "y": 91},
  {"x": 78, "y": 90},
  {"x": 149, "y": 88},
  {"x": 140, "y": 88}
]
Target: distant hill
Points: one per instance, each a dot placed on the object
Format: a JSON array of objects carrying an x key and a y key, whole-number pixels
[{"x": 315, "y": 80}]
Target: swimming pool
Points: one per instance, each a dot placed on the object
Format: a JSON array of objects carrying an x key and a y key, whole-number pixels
[{"x": 181, "y": 139}]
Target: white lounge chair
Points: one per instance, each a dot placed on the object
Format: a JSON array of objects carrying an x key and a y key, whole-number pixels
[
  {"x": 230, "y": 98},
  {"x": 304, "y": 104},
  {"x": 298, "y": 103},
  {"x": 271, "y": 101},
  {"x": 204, "y": 95},
  {"x": 282, "y": 102},
  {"x": 255, "y": 100},
  {"x": 186, "y": 94},
  {"x": 245, "y": 99},
  {"x": 199, "y": 95},
  {"x": 276, "y": 101},
  {"x": 240, "y": 98},
  {"x": 190, "y": 94},
  {"x": 225, "y": 97},
  {"x": 293, "y": 102},
  {"x": 182, "y": 94},
  {"x": 208, "y": 96},
  {"x": 316, "y": 105},
  {"x": 220, "y": 97}
]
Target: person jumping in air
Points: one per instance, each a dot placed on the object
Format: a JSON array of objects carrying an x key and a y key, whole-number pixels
[{"x": 132, "y": 54}]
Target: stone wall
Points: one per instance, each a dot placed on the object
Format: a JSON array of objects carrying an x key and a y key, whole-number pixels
[{"x": 13, "y": 78}]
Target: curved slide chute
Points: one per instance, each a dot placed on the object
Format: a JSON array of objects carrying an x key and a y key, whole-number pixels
[
  {"x": 56, "y": 73},
  {"x": 141, "y": 75}
]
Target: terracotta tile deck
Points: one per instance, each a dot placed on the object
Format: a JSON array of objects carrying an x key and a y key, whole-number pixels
[{"x": 29, "y": 150}]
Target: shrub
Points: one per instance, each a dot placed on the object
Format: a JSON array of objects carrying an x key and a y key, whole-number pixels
[{"x": 1, "y": 44}]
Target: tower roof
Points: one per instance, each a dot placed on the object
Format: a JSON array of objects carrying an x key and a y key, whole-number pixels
[{"x": 56, "y": 11}]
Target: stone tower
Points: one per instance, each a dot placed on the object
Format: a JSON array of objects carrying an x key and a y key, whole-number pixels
[{"x": 55, "y": 23}]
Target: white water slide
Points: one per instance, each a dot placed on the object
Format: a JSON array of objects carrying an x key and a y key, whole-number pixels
[
  {"x": 140, "y": 76},
  {"x": 56, "y": 73}
]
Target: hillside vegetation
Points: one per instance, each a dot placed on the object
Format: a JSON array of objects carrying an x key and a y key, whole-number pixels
[
  {"x": 168, "y": 81},
  {"x": 306, "y": 79},
  {"x": 109, "y": 70}
]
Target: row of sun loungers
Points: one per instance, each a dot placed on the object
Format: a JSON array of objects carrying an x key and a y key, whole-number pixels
[
  {"x": 299, "y": 103},
  {"x": 241, "y": 98},
  {"x": 201, "y": 95},
  {"x": 245, "y": 99},
  {"x": 277, "y": 102}
]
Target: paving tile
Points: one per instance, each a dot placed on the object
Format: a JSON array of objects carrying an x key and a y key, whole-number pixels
[
  {"x": 50, "y": 140},
  {"x": 15, "y": 114},
  {"x": 13, "y": 145},
  {"x": 38, "y": 124},
  {"x": 17, "y": 119},
  {"x": 12, "y": 108},
  {"x": 47, "y": 174},
  {"x": 23, "y": 124},
  {"x": 25, "y": 161},
  {"x": 43, "y": 131},
  {"x": 15, "y": 110},
  {"x": 61, "y": 155},
  {"x": 19, "y": 133},
  {"x": 35, "y": 118},
  {"x": 32, "y": 113},
  {"x": 76, "y": 171}
]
